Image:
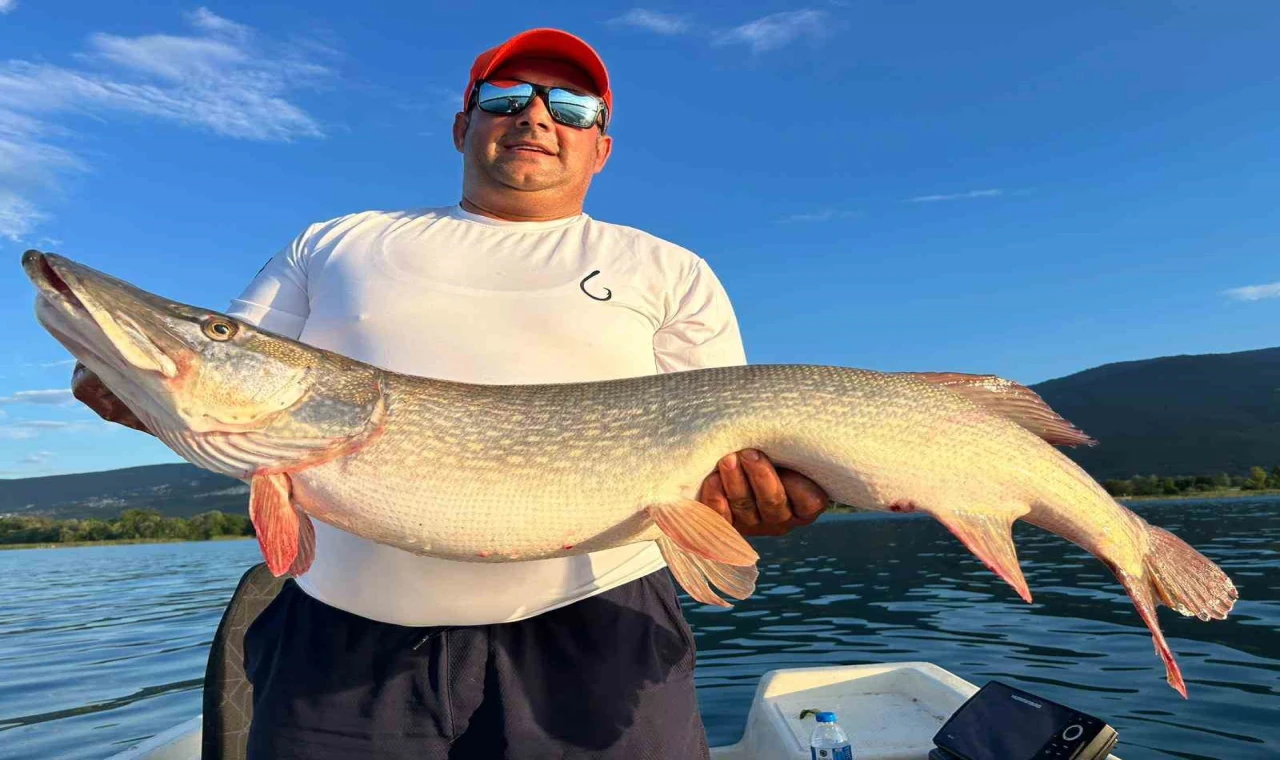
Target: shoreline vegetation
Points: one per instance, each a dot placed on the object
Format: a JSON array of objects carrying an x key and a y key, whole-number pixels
[
  {"x": 117, "y": 542},
  {"x": 133, "y": 526},
  {"x": 1209, "y": 494},
  {"x": 1257, "y": 482},
  {"x": 147, "y": 526},
  {"x": 1222, "y": 493}
]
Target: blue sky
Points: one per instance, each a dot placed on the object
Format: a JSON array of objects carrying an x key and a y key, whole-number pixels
[{"x": 1028, "y": 189}]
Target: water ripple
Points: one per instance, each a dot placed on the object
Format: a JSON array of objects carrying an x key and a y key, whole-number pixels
[{"x": 103, "y": 646}]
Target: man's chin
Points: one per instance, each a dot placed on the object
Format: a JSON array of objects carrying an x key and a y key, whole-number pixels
[{"x": 520, "y": 178}]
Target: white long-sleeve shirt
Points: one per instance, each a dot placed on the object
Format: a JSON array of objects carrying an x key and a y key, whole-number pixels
[{"x": 448, "y": 294}]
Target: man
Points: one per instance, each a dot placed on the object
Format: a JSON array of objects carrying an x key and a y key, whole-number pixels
[{"x": 376, "y": 652}]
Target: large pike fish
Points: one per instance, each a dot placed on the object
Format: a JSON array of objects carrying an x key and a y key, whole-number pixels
[{"x": 500, "y": 473}]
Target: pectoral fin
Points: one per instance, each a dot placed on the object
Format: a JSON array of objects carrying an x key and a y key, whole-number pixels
[
  {"x": 285, "y": 533},
  {"x": 306, "y": 545},
  {"x": 693, "y": 573},
  {"x": 700, "y": 530}
]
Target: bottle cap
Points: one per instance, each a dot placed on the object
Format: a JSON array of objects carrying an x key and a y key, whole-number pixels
[{"x": 826, "y": 717}]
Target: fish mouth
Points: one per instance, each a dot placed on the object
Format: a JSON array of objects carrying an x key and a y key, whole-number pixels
[
  {"x": 71, "y": 305},
  {"x": 51, "y": 285},
  {"x": 58, "y": 309}
]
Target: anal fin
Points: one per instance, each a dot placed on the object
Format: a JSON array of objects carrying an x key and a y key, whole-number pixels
[
  {"x": 285, "y": 533},
  {"x": 693, "y": 573},
  {"x": 990, "y": 537}
]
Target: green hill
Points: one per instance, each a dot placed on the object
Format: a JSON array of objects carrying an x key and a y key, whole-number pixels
[
  {"x": 1177, "y": 415},
  {"x": 174, "y": 490}
]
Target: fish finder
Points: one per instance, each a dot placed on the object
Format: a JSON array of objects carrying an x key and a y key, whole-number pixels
[{"x": 1000, "y": 722}]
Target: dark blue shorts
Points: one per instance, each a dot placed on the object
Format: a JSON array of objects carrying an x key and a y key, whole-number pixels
[{"x": 607, "y": 677}]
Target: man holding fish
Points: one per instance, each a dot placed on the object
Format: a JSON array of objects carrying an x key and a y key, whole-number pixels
[{"x": 379, "y": 652}]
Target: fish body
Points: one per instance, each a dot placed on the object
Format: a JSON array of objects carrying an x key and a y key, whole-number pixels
[
  {"x": 500, "y": 473},
  {"x": 496, "y": 473}
]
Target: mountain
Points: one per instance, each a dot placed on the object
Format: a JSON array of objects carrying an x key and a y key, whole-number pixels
[
  {"x": 176, "y": 490},
  {"x": 1175, "y": 415}
]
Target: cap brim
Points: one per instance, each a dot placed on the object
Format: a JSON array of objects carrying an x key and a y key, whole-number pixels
[{"x": 555, "y": 44}]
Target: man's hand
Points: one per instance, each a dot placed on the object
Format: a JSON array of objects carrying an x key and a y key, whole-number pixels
[
  {"x": 759, "y": 500},
  {"x": 86, "y": 387}
]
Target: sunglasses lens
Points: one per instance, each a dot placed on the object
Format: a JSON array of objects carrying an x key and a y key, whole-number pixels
[
  {"x": 567, "y": 107},
  {"x": 504, "y": 100},
  {"x": 573, "y": 109}
]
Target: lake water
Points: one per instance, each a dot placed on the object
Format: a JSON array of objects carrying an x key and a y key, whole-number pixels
[{"x": 103, "y": 646}]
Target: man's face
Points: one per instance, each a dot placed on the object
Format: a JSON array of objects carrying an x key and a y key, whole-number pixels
[{"x": 530, "y": 151}]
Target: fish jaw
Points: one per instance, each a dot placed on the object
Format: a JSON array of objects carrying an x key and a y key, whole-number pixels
[
  {"x": 82, "y": 309},
  {"x": 116, "y": 348},
  {"x": 220, "y": 393}
]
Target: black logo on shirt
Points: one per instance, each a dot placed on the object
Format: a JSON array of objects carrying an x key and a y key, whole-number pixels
[{"x": 583, "y": 285}]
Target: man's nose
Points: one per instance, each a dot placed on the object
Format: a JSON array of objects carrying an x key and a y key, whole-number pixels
[{"x": 536, "y": 114}]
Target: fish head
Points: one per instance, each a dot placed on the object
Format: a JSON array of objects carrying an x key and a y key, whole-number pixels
[{"x": 192, "y": 375}]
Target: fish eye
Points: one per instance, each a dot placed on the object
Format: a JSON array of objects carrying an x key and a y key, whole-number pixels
[{"x": 219, "y": 329}]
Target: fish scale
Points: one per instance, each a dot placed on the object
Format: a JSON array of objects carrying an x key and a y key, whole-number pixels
[{"x": 502, "y": 473}]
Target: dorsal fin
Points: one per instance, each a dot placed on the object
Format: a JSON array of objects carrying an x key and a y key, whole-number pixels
[{"x": 1017, "y": 402}]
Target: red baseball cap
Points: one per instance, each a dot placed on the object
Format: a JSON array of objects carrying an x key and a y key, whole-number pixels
[{"x": 543, "y": 43}]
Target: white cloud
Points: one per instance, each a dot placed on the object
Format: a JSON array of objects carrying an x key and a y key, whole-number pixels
[
  {"x": 653, "y": 21},
  {"x": 28, "y": 164},
  {"x": 822, "y": 215},
  {"x": 203, "y": 18},
  {"x": 22, "y": 430},
  {"x": 956, "y": 196},
  {"x": 435, "y": 100},
  {"x": 778, "y": 30},
  {"x": 222, "y": 84},
  {"x": 32, "y": 429},
  {"x": 224, "y": 79},
  {"x": 36, "y": 457},
  {"x": 1254, "y": 292},
  {"x": 8, "y": 5},
  {"x": 59, "y": 363},
  {"x": 17, "y": 216},
  {"x": 53, "y": 396}
]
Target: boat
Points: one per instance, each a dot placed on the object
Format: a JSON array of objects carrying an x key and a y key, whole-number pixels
[{"x": 891, "y": 711}]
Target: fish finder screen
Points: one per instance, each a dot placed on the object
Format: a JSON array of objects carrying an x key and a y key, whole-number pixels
[{"x": 1000, "y": 725}]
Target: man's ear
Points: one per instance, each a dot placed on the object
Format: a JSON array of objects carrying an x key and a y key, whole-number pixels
[
  {"x": 460, "y": 123},
  {"x": 604, "y": 149}
]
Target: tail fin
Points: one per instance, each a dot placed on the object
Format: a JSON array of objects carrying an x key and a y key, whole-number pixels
[
  {"x": 1186, "y": 580},
  {"x": 1178, "y": 576}
]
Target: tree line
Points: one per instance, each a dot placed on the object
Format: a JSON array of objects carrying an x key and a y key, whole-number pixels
[
  {"x": 1154, "y": 485},
  {"x": 149, "y": 524},
  {"x": 131, "y": 524}
]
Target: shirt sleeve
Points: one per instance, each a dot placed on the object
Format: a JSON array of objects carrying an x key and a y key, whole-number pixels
[
  {"x": 276, "y": 299},
  {"x": 703, "y": 329}
]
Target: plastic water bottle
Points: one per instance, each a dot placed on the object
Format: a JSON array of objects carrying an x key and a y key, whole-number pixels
[{"x": 828, "y": 741}]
